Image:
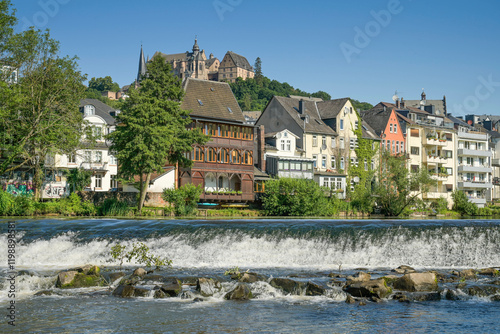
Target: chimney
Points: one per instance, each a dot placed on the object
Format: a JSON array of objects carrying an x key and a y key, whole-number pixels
[
  {"x": 302, "y": 107},
  {"x": 402, "y": 103},
  {"x": 261, "y": 144},
  {"x": 398, "y": 105}
]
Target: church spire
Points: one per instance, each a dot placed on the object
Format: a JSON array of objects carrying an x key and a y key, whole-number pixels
[
  {"x": 195, "y": 46},
  {"x": 142, "y": 66}
]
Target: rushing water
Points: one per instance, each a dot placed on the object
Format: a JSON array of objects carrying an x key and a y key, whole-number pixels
[{"x": 303, "y": 249}]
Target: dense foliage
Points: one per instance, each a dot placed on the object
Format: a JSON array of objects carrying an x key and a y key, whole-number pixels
[
  {"x": 184, "y": 199},
  {"x": 462, "y": 205}
]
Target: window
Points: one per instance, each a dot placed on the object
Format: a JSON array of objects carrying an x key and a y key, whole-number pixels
[
  {"x": 235, "y": 157},
  {"x": 355, "y": 125},
  {"x": 248, "y": 158},
  {"x": 414, "y": 133},
  {"x": 449, "y": 171},
  {"x": 393, "y": 146},
  {"x": 280, "y": 165},
  {"x": 341, "y": 140},
  {"x": 395, "y": 128},
  {"x": 309, "y": 166},
  {"x": 332, "y": 161},
  {"x": 97, "y": 132},
  {"x": 334, "y": 144},
  {"x": 286, "y": 165},
  {"x": 352, "y": 144},
  {"x": 282, "y": 144},
  {"x": 323, "y": 141},
  {"x": 315, "y": 141},
  {"x": 397, "y": 146},
  {"x": 89, "y": 110},
  {"x": 212, "y": 155},
  {"x": 341, "y": 124},
  {"x": 315, "y": 157},
  {"x": 304, "y": 166},
  {"x": 288, "y": 145},
  {"x": 113, "y": 160},
  {"x": 87, "y": 156},
  {"x": 221, "y": 182},
  {"x": 373, "y": 164},
  {"x": 402, "y": 147},
  {"x": 199, "y": 154},
  {"x": 383, "y": 144},
  {"x": 323, "y": 161},
  {"x": 448, "y": 154},
  {"x": 342, "y": 163},
  {"x": 199, "y": 102},
  {"x": 98, "y": 181},
  {"x": 449, "y": 136},
  {"x": 366, "y": 165},
  {"x": 113, "y": 183},
  {"x": 415, "y": 150},
  {"x": 388, "y": 145},
  {"x": 72, "y": 159},
  {"x": 390, "y": 125},
  {"x": 98, "y": 156}
]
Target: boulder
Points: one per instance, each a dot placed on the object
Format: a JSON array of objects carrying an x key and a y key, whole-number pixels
[
  {"x": 495, "y": 298},
  {"x": 114, "y": 276},
  {"x": 359, "y": 277},
  {"x": 390, "y": 279},
  {"x": 160, "y": 294},
  {"x": 401, "y": 297},
  {"x": 367, "y": 289},
  {"x": 141, "y": 292},
  {"x": 241, "y": 292},
  {"x": 489, "y": 272},
  {"x": 139, "y": 272},
  {"x": 417, "y": 282},
  {"x": 288, "y": 286},
  {"x": 404, "y": 270},
  {"x": 208, "y": 286},
  {"x": 172, "y": 288},
  {"x": 44, "y": 293},
  {"x": 426, "y": 297},
  {"x": 468, "y": 274},
  {"x": 65, "y": 278},
  {"x": 483, "y": 291},
  {"x": 124, "y": 291},
  {"x": 130, "y": 280},
  {"x": 313, "y": 289},
  {"x": 252, "y": 278}
]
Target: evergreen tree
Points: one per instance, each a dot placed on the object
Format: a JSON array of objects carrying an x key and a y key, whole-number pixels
[
  {"x": 153, "y": 127},
  {"x": 258, "y": 70}
]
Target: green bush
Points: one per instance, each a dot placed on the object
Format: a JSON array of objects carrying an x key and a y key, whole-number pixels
[
  {"x": 486, "y": 211},
  {"x": 6, "y": 203},
  {"x": 462, "y": 205},
  {"x": 183, "y": 199},
  {"x": 440, "y": 206}
]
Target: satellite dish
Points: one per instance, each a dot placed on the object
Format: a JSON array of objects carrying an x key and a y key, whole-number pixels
[{"x": 395, "y": 97}]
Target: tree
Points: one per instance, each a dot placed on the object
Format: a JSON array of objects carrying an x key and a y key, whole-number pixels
[
  {"x": 462, "y": 205},
  {"x": 78, "y": 178},
  {"x": 153, "y": 127},
  {"x": 258, "y": 70},
  {"x": 184, "y": 199},
  {"x": 39, "y": 116},
  {"x": 398, "y": 189},
  {"x": 359, "y": 106},
  {"x": 322, "y": 95},
  {"x": 103, "y": 84}
]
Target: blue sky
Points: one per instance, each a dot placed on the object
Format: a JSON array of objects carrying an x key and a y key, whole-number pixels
[{"x": 362, "y": 49}]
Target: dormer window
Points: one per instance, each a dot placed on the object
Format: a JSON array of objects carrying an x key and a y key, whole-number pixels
[{"x": 88, "y": 110}]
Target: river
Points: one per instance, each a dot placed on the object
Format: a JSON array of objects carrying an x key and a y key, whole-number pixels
[{"x": 301, "y": 249}]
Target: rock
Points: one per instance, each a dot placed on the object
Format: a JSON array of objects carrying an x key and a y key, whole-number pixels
[
  {"x": 241, "y": 292},
  {"x": 44, "y": 293},
  {"x": 153, "y": 278},
  {"x": 124, "y": 291},
  {"x": 197, "y": 300},
  {"x": 114, "y": 276},
  {"x": 468, "y": 274},
  {"x": 496, "y": 282},
  {"x": 359, "y": 277},
  {"x": 350, "y": 299},
  {"x": 390, "y": 279},
  {"x": 334, "y": 275},
  {"x": 362, "y": 303},
  {"x": 367, "y": 289},
  {"x": 141, "y": 292},
  {"x": 25, "y": 273},
  {"x": 489, "y": 272},
  {"x": 288, "y": 286},
  {"x": 375, "y": 299},
  {"x": 252, "y": 278},
  {"x": 208, "y": 286},
  {"x": 191, "y": 281},
  {"x": 401, "y": 297},
  {"x": 313, "y": 289},
  {"x": 139, "y": 272},
  {"x": 425, "y": 297},
  {"x": 334, "y": 282},
  {"x": 83, "y": 269},
  {"x": 417, "y": 282},
  {"x": 404, "y": 270},
  {"x": 173, "y": 288},
  {"x": 451, "y": 295},
  {"x": 131, "y": 280},
  {"x": 159, "y": 294},
  {"x": 65, "y": 278},
  {"x": 483, "y": 291},
  {"x": 495, "y": 298},
  {"x": 188, "y": 295}
]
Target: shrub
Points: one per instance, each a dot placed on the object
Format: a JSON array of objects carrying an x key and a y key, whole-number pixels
[
  {"x": 183, "y": 199},
  {"x": 6, "y": 203},
  {"x": 462, "y": 205},
  {"x": 113, "y": 207},
  {"x": 440, "y": 206}
]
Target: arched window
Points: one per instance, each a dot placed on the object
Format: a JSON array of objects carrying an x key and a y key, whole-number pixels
[
  {"x": 89, "y": 110},
  {"x": 212, "y": 155},
  {"x": 199, "y": 154},
  {"x": 248, "y": 158},
  {"x": 341, "y": 163},
  {"x": 235, "y": 157},
  {"x": 332, "y": 161}
]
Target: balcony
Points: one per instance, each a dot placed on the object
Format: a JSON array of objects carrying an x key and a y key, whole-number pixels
[
  {"x": 434, "y": 195},
  {"x": 495, "y": 162},
  {"x": 475, "y": 169},
  {"x": 435, "y": 159},
  {"x": 475, "y": 184},
  {"x": 474, "y": 153},
  {"x": 435, "y": 141},
  {"x": 95, "y": 166},
  {"x": 227, "y": 197},
  {"x": 440, "y": 177},
  {"x": 472, "y": 135},
  {"x": 477, "y": 200}
]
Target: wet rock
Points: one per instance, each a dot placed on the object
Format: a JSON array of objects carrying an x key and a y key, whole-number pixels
[
  {"x": 390, "y": 279},
  {"x": 359, "y": 277},
  {"x": 425, "y": 297},
  {"x": 483, "y": 291},
  {"x": 197, "y": 300},
  {"x": 375, "y": 299},
  {"x": 334, "y": 282},
  {"x": 44, "y": 293},
  {"x": 401, "y": 297},
  {"x": 241, "y": 292},
  {"x": 362, "y": 303},
  {"x": 159, "y": 294},
  {"x": 313, "y": 289},
  {"x": 451, "y": 295},
  {"x": 495, "y": 298},
  {"x": 188, "y": 295},
  {"x": 334, "y": 275},
  {"x": 468, "y": 274},
  {"x": 191, "y": 281},
  {"x": 114, "y": 276},
  {"x": 252, "y": 278},
  {"x": 131, "y": 280},
  {"x": 139, "y": 272},
  {"x": 367, "y": 289},
  {"x": 350, "y": 299},
  {"x": 65, "y": 278},
  {"x": 25, "y": 273},
  {"x": 496, "y": 282},
  {"x": 208, "y": 286},
  {"x": 489, "y": 272},
  {"x": 141, "y": 292},
  {"x": 288, "y": 286},
  {"x": 124, "y": 291},
  {"x": 153, "y": 278},
  {"x": 404, "y": 270},
  {"x": 417, "y": 282},
  {"x": 172, "y": 288}
]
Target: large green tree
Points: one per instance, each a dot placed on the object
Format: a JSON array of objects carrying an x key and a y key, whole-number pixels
[
  {"x": 153, "y": 127},
  {"x": 103, "y": 84},
  {"x": 39, "y": 115},
  {"x": 397, "y": 188}
]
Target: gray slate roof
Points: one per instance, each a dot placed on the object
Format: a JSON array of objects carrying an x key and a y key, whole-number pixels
[
  {"x": 215, "y": 97},
  {"x": 377, "y": 119},
  {"x": 101, "y": 109},
  {"x": 315, "y": 124},
  {"x": 439, "y": 105},
  {"x": 331, "y": 108},
  {"x": 240, "y": 61}
]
